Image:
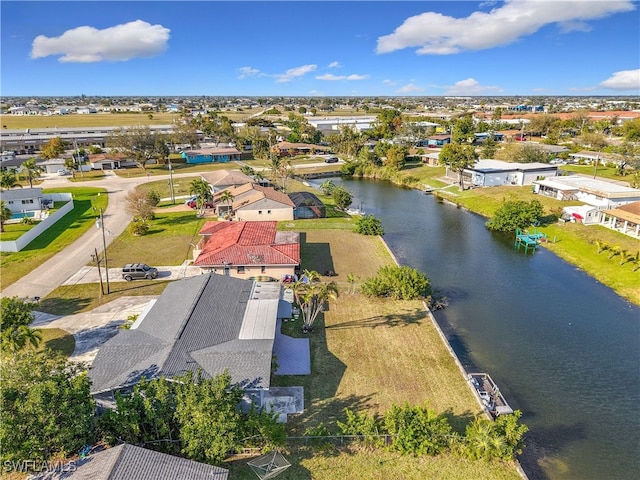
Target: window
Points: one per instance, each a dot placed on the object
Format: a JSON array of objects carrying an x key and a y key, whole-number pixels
[
  {"x": 27, "y": 201},
  {"x": 263, "y": 269},
  {"x": 268, "y": 212},
  {"x": 259, "y": 212},
  {"x": 240, "y": 269}
]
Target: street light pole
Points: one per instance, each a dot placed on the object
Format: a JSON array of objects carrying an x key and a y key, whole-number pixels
[{"x": 100, "y": 224}]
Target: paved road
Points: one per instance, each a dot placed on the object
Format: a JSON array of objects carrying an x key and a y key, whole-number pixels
[{"x": 44, "y": 279}]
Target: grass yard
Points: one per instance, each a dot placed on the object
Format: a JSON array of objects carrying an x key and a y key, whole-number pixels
[
  {"x": 57, "y": 339},
  {"x": 15, "y": 265},
  {"x": 367, "y": 354},
  {"x": 72, "y": 299},
  {"x": 604, "y": 172},
  {"x": 167, "y": 243}
]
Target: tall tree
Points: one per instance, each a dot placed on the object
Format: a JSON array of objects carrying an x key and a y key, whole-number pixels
[
  {"x": 202, "y": 190},
  {"x": 140, "y": 143},
  {"x": 53, "y": 149},
  {"x": 15, "y": 317},
  {"x": 46, "y": 406},
  {"x": 463, "y": 130},
  {"x": 458, "y": 158},
  {"x": 31, "y": 170},
  {"x": 227, "y": 197},
  {"x": 8, "y": 179}
]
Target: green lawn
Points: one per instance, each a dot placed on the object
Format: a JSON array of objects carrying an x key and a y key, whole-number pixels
[
  {"x": 57, "y": 339},
  {"x": 604, "y": 172},
  {"x": 15, "y": 265}
]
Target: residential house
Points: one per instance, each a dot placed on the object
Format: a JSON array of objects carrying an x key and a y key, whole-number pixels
[
  {"x": 254, "y": 250},
  {"x": 213, "y": 323},
  {"x": 284, "y": 149},
  {"x": 600, "y": 158},
  {"x": 625, "y": 219},
  {"x": 108, "y": 161},
  {"x": 307, "y": 205},
  {"x": 492, "y": 173},
  {"x": 22, "y": 199},
  {"x": 593, "y": 191},
  {"x": 126, "y": 461},
  {"x": 438, "y": 141},
  {"x": 52, "y": 165},
  {"x": 221, "y": 179},
  {"x": 211, "y": 155},
  {"x": 262, "y": 204}
]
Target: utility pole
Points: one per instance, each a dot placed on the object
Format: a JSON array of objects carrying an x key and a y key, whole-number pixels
[
  {"x": 173, "y": 197},
  {"x": 100, "y": 224},
  {"x": 97, "y": 259}
]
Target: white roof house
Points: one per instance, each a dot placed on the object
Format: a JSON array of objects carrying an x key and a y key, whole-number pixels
[
  {"x": 593, "y": 191},
  {"x": 492, "y": 173}
]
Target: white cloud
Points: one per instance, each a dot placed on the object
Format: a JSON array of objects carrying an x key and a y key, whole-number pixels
[
  {"x": 334, "y": 65},
  {"x": 390, "y": 83},
  {"x": 470, "y": 87},
  {"x": 244, "y": 72},
  {"x": 409, "y": 88},
  {"x": 437, "y": 34},
  {"x": 118, "y": 43},
  {"x": 294, "y": 73},
  {"x": 332, "y": 77},
  {"x": 624, "y": 80}
]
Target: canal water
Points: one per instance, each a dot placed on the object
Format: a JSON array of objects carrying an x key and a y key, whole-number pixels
[{"x": 562, "y": 347}]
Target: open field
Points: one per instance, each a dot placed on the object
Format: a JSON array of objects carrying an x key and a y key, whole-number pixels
[{"x": 15, "y": 265}]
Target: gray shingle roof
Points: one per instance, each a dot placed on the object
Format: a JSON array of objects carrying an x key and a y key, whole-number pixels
[
  {"x": 126, "y": 462},
  {"x": 194, "y": 324}
]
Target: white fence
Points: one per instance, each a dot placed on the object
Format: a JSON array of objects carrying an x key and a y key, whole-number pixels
[{"x": 24, "y": 240}]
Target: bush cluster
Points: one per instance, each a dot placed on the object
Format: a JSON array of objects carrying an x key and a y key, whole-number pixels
[{"x": 401, "y": 283}]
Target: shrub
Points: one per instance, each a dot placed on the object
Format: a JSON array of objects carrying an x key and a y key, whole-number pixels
[
  {"x": 369, "y": 225},
  {"x": 139, "y": 227},
  {"x": 514, "y": 215},
  {"x": 404, "y": 283},
  {"x": 418, "y": 430}
]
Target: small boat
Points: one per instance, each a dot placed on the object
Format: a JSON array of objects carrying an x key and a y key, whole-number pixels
[
  {"x": 355, "y": 211},
  {"x": 489, "y": 394}
]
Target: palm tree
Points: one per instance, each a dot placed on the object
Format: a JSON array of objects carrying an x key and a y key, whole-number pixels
[
  {"x": 8, "y": 179},
  {"x": 14, "y": 340},
  {"x": 31, "y": 170},
  {"x": 5, "y": 214},
  {"x": 201, "y": 188},
  {"x": 312, "y": 297},
  {"x": 227, "y": 197}
]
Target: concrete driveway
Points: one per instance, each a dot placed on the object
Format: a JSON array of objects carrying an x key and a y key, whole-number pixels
[{"x": 91, "y": 329}]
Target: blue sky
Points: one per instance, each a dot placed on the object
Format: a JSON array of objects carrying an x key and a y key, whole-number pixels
[{"x": 328, "y": 48}]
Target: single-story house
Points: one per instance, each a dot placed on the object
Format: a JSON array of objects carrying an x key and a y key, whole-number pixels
[
  {"x": 221, "y": 179},
  {"x": 22, "y": 199},
  {"x": 52, "y": 165},
  {"x": 437, "y": 141},
  {"x": 211, "y": 322},
  {"x": 592, "y": 157},
  {"x": 211, "y": 155},
  {"x": 126, "y": 461},
  {"x": 430, "y": 159},
  {"x": 284, "y": 149},
  {"x": 107, "y": 161},
  {"x": 492, "y": 173},
  {"x": 481, "y": 137},
  {"x": 254, "y": 250},
  {"x": 625, "y": 219},
  {"x": 261, "y": 204},
  {"x": 593, "y": 191},
  {"x": 307, "y": 205}
]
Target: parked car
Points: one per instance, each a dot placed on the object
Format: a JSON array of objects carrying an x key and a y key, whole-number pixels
[
  {"x": 332, "y": 160},
  {"x": 132, "y": 271},
  {"x": 62, "y": 172},
  {"x": 191, "y": 199},
  {"x": 193, "y": 204}
]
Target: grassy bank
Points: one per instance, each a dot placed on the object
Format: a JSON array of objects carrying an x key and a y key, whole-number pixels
[{"x": 15, "y": 265}]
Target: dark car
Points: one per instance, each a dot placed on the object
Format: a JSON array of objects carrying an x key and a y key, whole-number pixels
[
  {"x": 332, "y": 160},
  {"x": 132, "y": 271}
]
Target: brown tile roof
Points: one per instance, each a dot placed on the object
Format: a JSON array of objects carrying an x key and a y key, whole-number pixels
[
  {"x": 246, "y": 243},
  {"x": 226, "y": 177}
]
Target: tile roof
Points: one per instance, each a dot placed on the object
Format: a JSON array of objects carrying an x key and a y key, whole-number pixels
[
  {"x": 246, "y": 243},
  {"x": 125, "y": 462},
  {"x": 188, "y": 328},
  {"x": 224, "y": 178}
]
